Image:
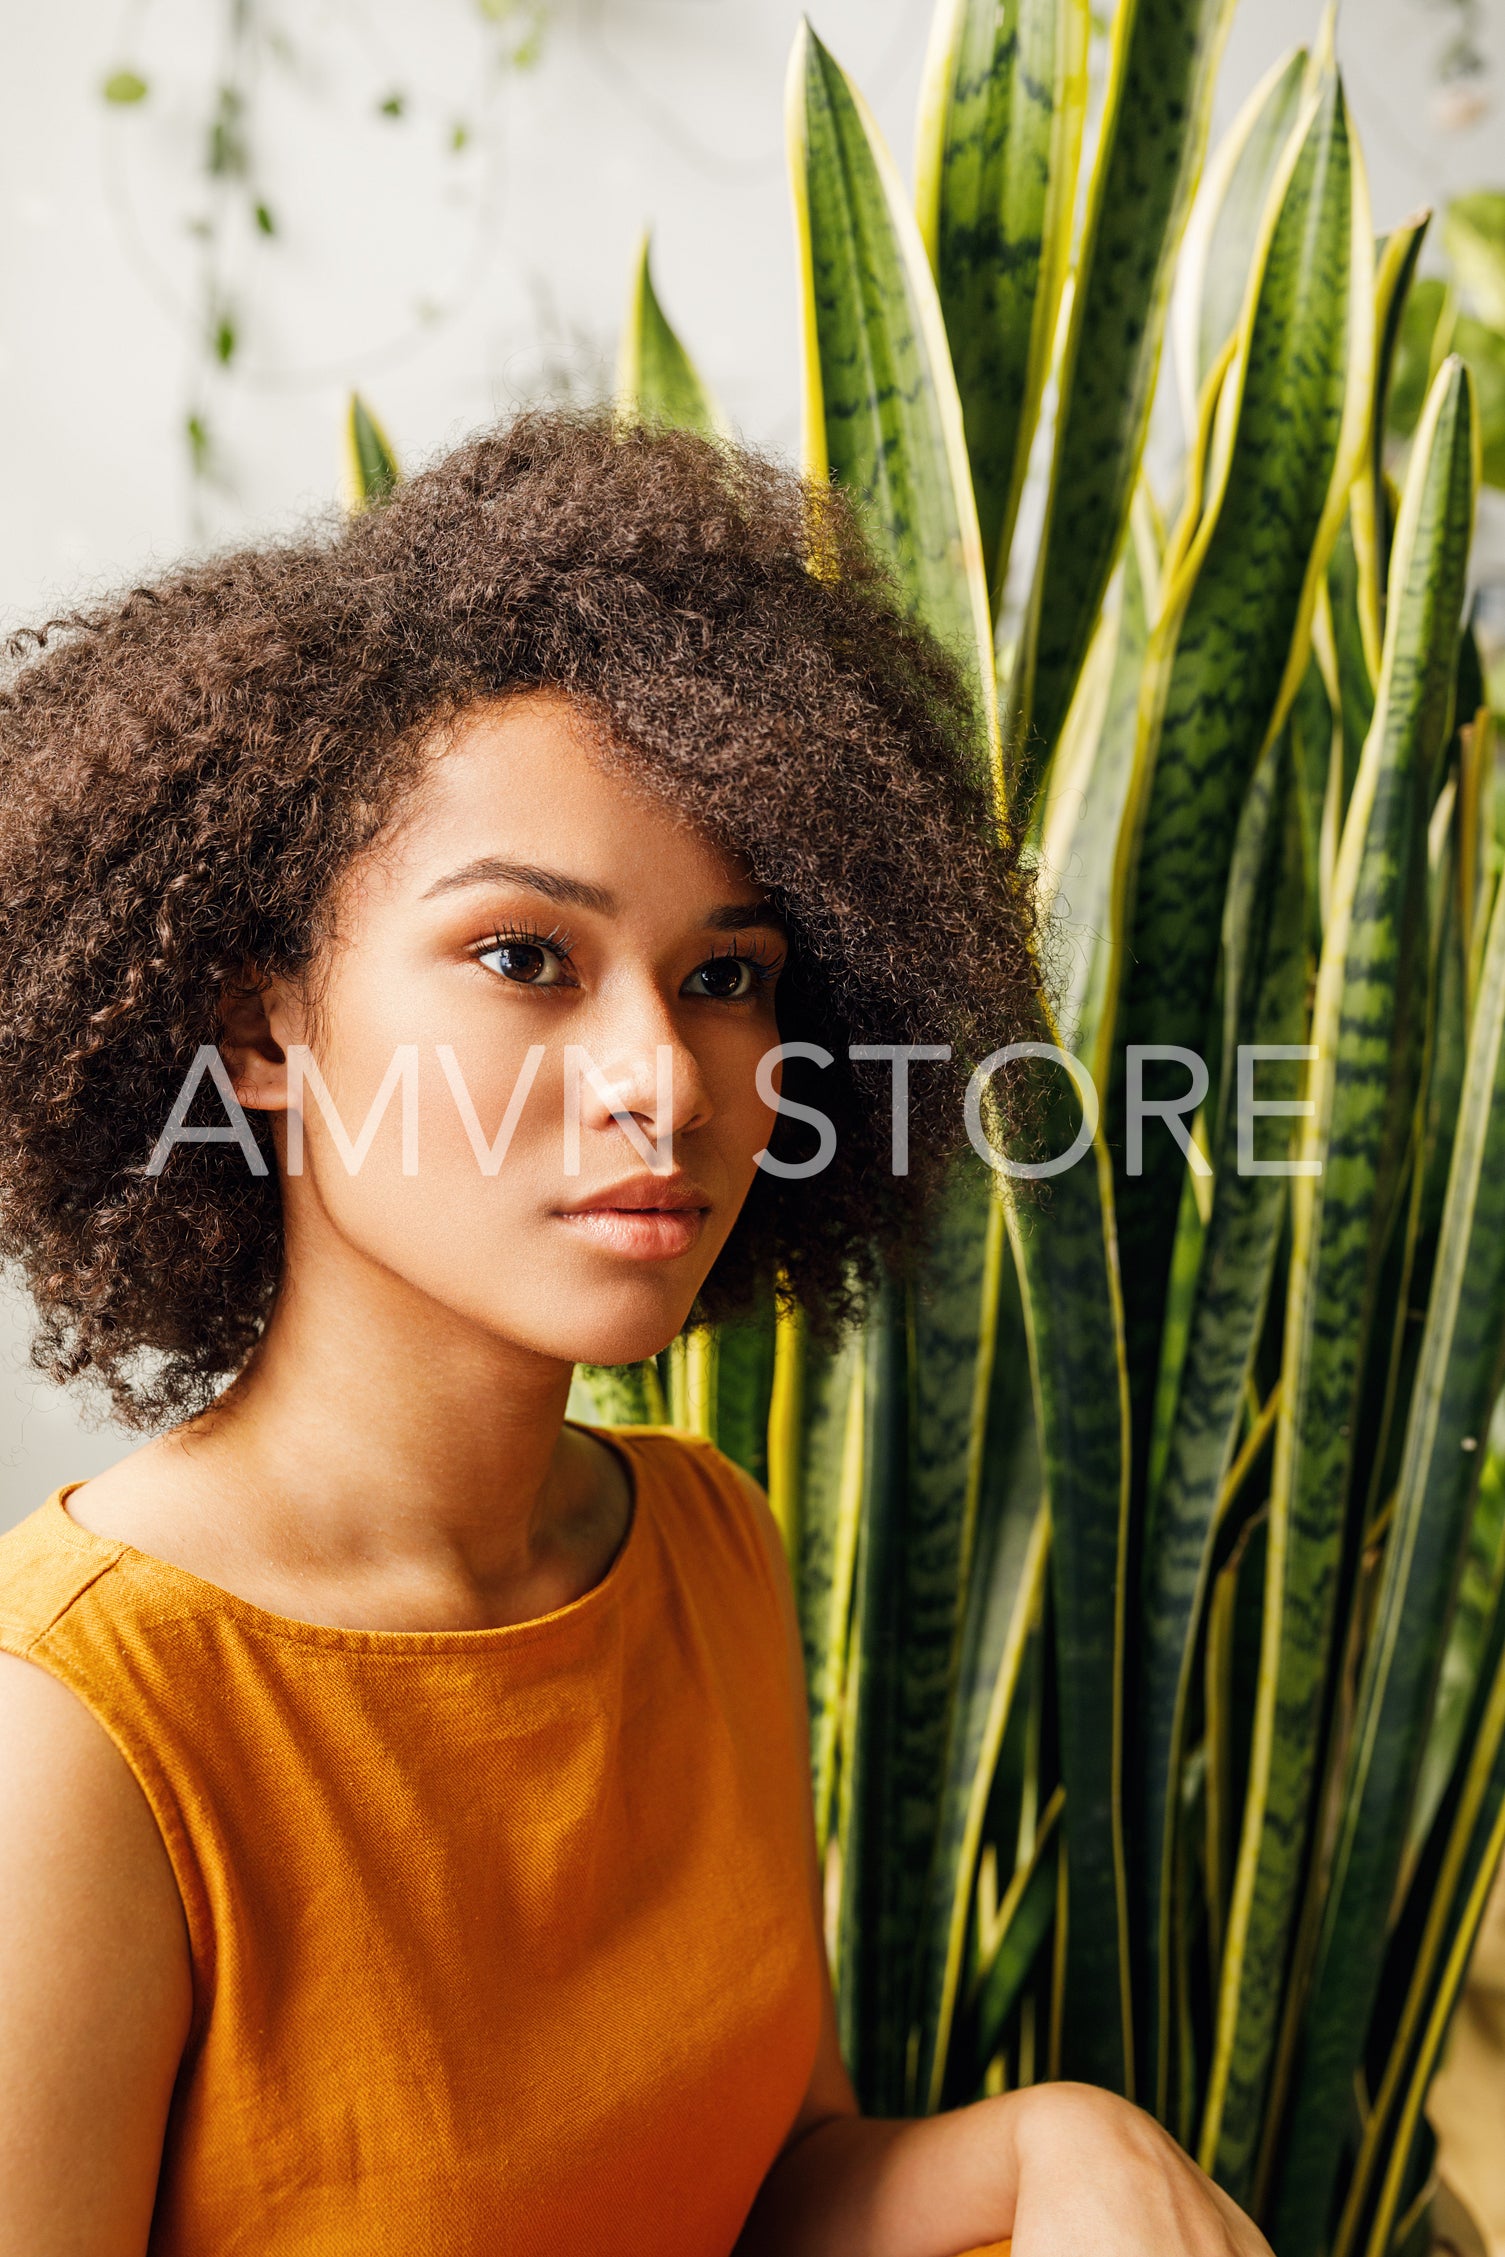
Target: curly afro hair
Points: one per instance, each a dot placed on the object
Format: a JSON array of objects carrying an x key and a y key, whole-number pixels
[{"x": 186, "y": 772}]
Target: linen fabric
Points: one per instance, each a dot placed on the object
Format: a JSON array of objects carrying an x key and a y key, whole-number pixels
[{"x": 504, "y": 1942}]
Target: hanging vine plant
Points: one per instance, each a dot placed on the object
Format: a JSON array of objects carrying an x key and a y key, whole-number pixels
[{"x": 214, "y": 134}]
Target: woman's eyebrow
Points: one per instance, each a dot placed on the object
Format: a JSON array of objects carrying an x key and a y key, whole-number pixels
[
  {"x": 556, "y": 885},
  {"x": 489, "y": 871},
  {"x": 741, "y": 916}
]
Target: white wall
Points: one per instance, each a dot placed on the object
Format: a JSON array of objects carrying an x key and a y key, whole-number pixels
[{"x": 448, "y": 288}]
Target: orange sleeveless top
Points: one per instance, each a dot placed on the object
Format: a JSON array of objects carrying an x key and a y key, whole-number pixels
[{"x": 503, "y": 1941}]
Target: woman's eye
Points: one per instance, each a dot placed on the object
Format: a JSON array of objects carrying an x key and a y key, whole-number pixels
[
  {"x": 730, "y": 978},
  {"x": 526, "y": 963}
]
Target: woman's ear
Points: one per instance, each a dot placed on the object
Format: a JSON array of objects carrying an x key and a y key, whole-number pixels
[{"x": 249, "y": 1046}]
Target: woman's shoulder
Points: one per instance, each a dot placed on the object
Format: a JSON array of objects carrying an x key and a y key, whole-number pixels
[
  {"x": 47, "y": 1563},
  {"x": 679, "y": 1448},
  {"x": 694, "y": 1470},
  {"x": 714, "y": 1516}
]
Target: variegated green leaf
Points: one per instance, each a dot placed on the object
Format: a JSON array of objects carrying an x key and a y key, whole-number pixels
[
  {"x": 1024, "y": 1920},
  {"x": 1352, "y": 677},
  {"x": 1479, "y": 1597},
  {"x": 1461, "y": 1366},
  {"x": 998, "y": 147},
  {"x": 370, "y": 464},
  {"x": 1081, "y": 810},
  {"x": 619, "y": 1394},
  {"x": 1370, "y": 511},
  {"x": 1073, "y": 1315},
  {"x": 1230, "y": 647},
  {"x": 1161, "y": 71},
  {"x": 875, "y": 1957},
  {"x": 742, "y": 1388},
  {"x": 918, "y": 1531},
  {"x": 657, "y": 382},
  {"x": 1470, "y": 1835},
  {"x": 817, "y": 1427},
  {"x": 1003, "y": 1594},
  {"x": 882, "y": 412},
  {"x": 1364, "y": 1032},
  {"x": 1223, "y": 231},
  {"x": 1265, "y": 964}
]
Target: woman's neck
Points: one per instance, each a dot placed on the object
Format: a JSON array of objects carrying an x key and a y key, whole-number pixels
[{"x": 380, "y": 1458}]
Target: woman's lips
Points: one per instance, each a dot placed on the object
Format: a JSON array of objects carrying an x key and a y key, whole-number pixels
[
  {"x": 646, "y": 1217},
  {"x": 645, "y": 1234}
]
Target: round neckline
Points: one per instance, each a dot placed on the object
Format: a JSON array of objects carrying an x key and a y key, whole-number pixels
[{"x": 295, "y": 1631}]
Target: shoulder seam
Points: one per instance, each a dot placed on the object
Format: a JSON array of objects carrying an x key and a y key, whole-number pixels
[{"x": 33, "y": 1633}]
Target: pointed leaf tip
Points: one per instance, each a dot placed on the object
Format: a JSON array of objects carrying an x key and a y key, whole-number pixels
[
  {"x": 371, "y": 464},
  {"x": 1325, "y": 47}
]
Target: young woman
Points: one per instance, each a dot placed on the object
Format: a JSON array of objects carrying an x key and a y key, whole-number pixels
[{"x": 404, "y": 1824}]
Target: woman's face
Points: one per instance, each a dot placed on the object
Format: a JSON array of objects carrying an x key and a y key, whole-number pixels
[{"x": 530, "y": 900}]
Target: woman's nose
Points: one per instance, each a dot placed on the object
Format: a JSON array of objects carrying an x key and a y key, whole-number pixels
[{"x": 640, "y": 1068}]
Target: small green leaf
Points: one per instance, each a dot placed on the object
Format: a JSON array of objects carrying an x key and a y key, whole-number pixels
[
  {"x": 229, "y": 156},
  {"x": 395, "y": 106},
  {"x": 459, "y": 137},
  {"x": 620, "y": 1394},
  {"x": 656, "y": 380},
  {"x": 1410, "y": 375},
  {"x": 1473, "y": 231},
  {"x": 1484, "y": 350},
  {"x": 265, "y": 223},
  {"x": 370, "y": 463},
  {"x": 125, "y": 87}
]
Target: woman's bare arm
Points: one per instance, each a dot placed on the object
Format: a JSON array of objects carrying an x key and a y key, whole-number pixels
[
  {"x": 95, "y": 1991},
  {"x": 1062, "y": 2170}
]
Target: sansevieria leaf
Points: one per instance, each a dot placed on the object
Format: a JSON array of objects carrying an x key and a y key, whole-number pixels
[
  {"x": 370, "y": 464},
  {"x": 620, "y": 1394},
  {"x": 1161, "y": 71},
  {"x": 1462, "y": 1354},
  {"x": 1005, "y": 1584},
  {"x": 657, "y": 382},
  {"x": 1370, "y": 513},
  {"x": 1291, "y": 417},
  {"x": 1474, "y": 1612},
  {"x": 1361, "y": 1078},
  {"x": 883, "y": 416},
  {"x": 1265, "y": 1001},
  {"x": 1081, "y": 811},
  {"x": 741, "y": 1388},
  {"x": 816, "y": 1450},
  {"x": 997, "y": 152},
  {"x": 882, "y": 412},
  {"x": 1024, "y": 1918},
  {"x": 1073, "y": 1314},
  {"x": 874, "y": 1970},
  {"x": 1464, "y": 1862},
  {"x": 1486, "y": 1850},
  {"x": 1223, "y": 232},
  {"x": 916, "y": 1568}
]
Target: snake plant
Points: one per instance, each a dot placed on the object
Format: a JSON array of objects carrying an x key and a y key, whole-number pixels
[{"x": 1149, "y": 1552}]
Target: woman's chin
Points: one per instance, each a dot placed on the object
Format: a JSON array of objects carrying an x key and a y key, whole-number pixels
[
  {"x": 610, "y": 1309},
  {"x": 623, "y": 1346},
  {"x": 630, "y": 1339}
]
